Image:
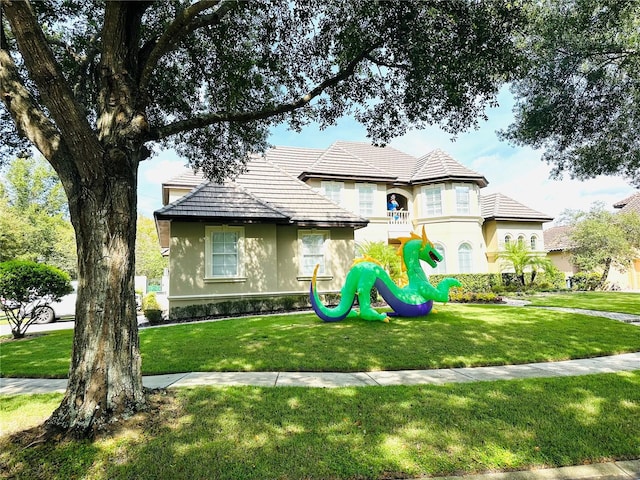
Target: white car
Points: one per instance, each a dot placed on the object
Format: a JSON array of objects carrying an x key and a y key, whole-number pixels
[{"x": 47, "y": 312}]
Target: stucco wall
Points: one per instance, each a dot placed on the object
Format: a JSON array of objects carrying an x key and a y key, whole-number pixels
[
  {"x": 495, "y": 232},
  {"x": 271, "y": 264}
]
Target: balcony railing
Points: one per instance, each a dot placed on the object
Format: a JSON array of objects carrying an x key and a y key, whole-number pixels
[{"x": 398, "y": 217}]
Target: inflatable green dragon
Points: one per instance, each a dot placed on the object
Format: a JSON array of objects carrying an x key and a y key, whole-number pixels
[{"x": 414, "y": 300}]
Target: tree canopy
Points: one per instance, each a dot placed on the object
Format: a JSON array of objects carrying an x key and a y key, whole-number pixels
[
  {"x": 579, "y": 96},
  {"x": 209, "y": 78},
  {"x": 149, "y": 259}
]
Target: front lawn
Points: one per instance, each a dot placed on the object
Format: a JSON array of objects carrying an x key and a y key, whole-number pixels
[
  {"x": 621, "y": 302},
  {"x": 346, "y": 433},
  {"x": 454, "y": 336}
]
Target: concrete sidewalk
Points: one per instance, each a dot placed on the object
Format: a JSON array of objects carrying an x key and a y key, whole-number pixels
[
  {"x": 610, "y": 364},
  {"x": 623, "y": 470}
]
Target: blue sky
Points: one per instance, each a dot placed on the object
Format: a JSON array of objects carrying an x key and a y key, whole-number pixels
[{"x": 516, "y": 172}]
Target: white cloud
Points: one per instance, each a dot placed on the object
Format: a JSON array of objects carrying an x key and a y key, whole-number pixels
[{"x": 151, "y": 175}]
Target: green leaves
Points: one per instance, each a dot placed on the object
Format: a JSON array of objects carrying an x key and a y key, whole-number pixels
[
  {"x": 578, "y": 97},
  {"x": 25, "y": 281},
  {"x": 519, "y": 257},
  {"x": 602, "y": 238}
]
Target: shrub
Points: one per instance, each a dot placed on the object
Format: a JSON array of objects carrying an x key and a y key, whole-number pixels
[
  {"x": 25, "y": 286},
  {"x": 471, "y": 282},
  {"x": 151, "y": 308},
  {"x": 459, "y": 296},
  {"x": 585, "y": 281}
]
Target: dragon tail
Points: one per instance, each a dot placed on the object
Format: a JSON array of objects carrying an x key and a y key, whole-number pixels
[{"x": 325, "y": 313}]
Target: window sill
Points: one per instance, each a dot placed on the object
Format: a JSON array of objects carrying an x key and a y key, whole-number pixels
[
  {"x": 307, "y": 278},
  {"x": 225, "y": 279}
]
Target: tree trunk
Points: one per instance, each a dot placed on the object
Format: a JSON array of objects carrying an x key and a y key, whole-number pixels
[
  {"x": 105, "y": 383},
  {"x": 605, "y": 274}
]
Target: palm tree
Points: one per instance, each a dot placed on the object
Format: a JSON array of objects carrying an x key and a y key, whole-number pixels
[{"x": 520, "y": 258}]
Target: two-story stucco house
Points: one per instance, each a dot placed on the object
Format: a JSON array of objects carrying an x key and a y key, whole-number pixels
[{"x": 261, "y": 234}]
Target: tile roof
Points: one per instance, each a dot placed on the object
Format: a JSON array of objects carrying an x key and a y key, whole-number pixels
[
  {"x": 293, "y": 159},
  {"x": 265, "y": 193},
  {"x": 395, "y": 163},
  {"x": 629, "y": 204},
  {"x": 363, "y": 161},
  {"x": 557, "y": 238},
  {"x": 213, "y": 200},
  {"x": 500, "y": 207},
  {"x": 341, "y": 163},
  {"x": 440, "y": 166}
]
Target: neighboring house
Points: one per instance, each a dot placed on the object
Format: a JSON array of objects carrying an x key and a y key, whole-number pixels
[
  {"x": 262, "y": 234},
  {"x": 629, "y": 280},
  {"x": 558, "y": 243}
]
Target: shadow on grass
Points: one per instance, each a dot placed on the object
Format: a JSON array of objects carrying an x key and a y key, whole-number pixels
[
  {"x": 367, "y": 432},
  {"x": 455, "y": 336},
  {"x": 462, "y": 336}
]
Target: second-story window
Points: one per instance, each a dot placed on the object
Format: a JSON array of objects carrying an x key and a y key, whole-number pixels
[
  {"x": 365, "y": 199},
  {"x": 432, "y": 200},
  {"x": 534, "y": 242},
  {"x": 462, "y": 200},
  {"x": 333, "y": 191}
]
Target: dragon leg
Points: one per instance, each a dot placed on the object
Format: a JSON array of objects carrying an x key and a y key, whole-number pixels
[{"x": 367, "y": 312}]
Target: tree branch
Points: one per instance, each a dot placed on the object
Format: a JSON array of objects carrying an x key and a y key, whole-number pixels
[
  {"x": 185, "y": 23},
  {"x": 45, "y": 72},
  {"x": 382, "y": 63},
  {"x": 245, "y": 117},
  {"x": 29, "y": 118}
]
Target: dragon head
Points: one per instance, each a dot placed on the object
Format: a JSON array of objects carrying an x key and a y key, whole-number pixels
[{"x": 426, "y": 250}]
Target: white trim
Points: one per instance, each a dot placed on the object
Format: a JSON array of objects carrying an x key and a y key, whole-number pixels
[
  {"x": 368, "y": 188},
  {"x": 208, "y": 267},
  {"x": 425, "y": 205},
  {"x": 326, "y": 234}
]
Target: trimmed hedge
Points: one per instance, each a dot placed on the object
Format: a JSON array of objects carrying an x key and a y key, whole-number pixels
[
  {"x": 242, "y": 307},
  {"x": 471, "y": 282}
]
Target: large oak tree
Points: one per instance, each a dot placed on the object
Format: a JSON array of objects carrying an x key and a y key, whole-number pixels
[{"x": 97, "y": 86}]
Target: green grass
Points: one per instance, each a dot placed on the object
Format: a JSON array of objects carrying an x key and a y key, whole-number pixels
[
  {"x": 455, "y": 336},
  {"x": 351, "y": 433},
  {"x": 606, "y": 301}
]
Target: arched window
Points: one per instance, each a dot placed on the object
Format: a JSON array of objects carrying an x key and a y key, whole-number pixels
[
  {"x": 442, "y": 266},
  {"x": 521, "y": 239},
  {"x": 534, "y": 242},
  {"x": 507, "y": 239},
  {"x": 465, "y": 258}
]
